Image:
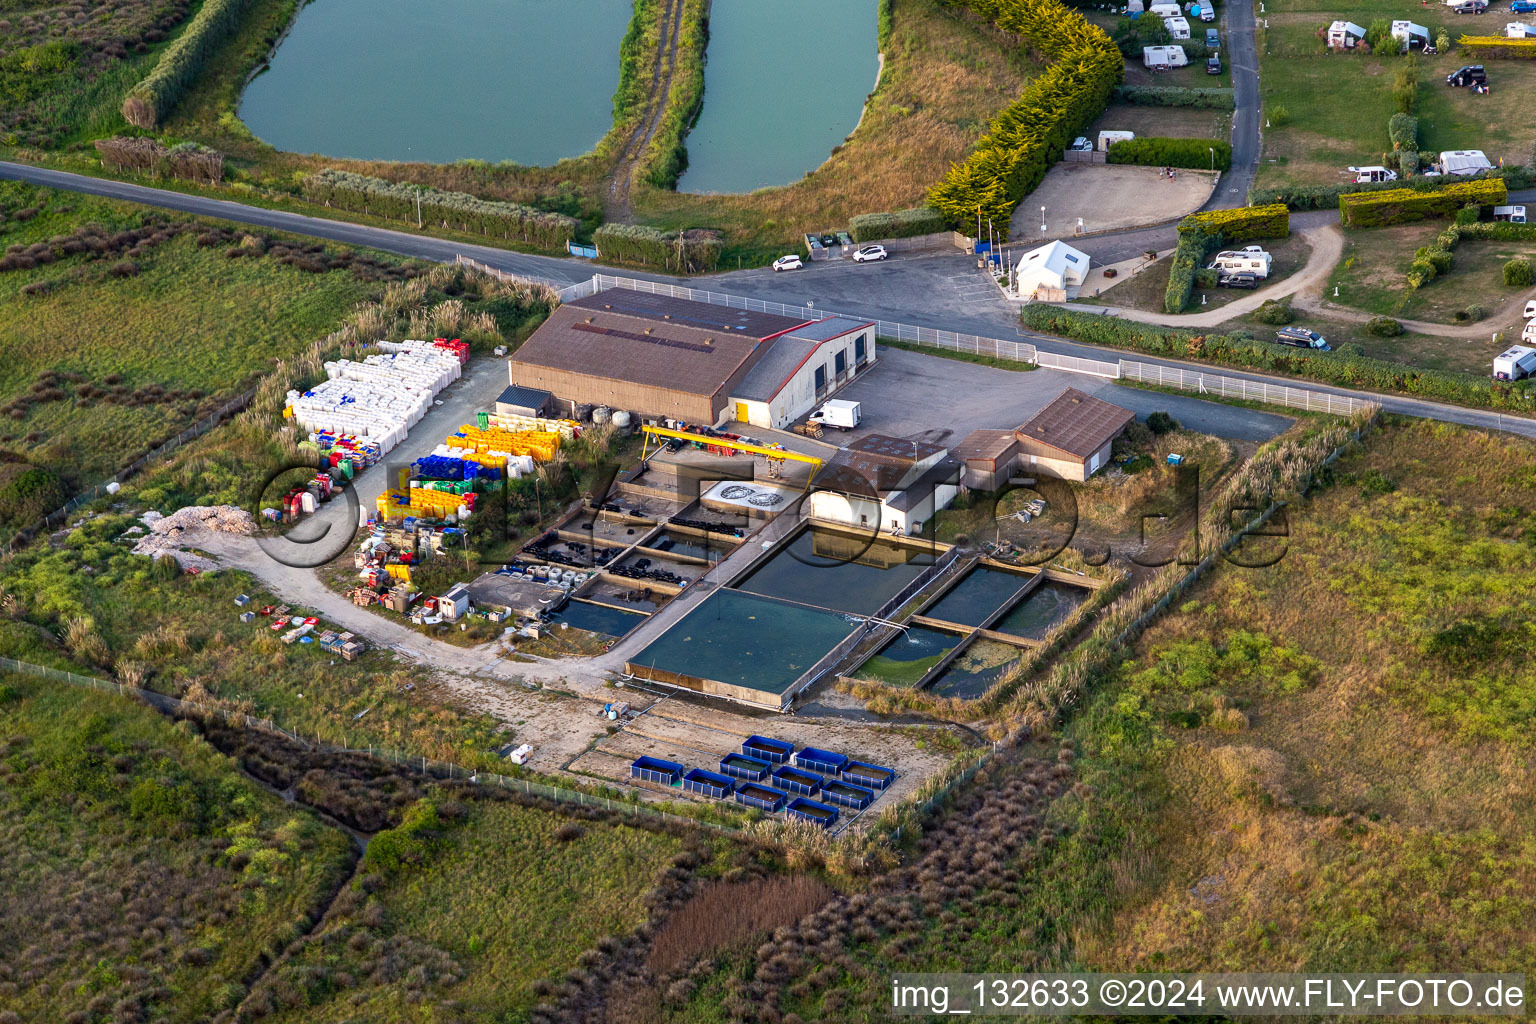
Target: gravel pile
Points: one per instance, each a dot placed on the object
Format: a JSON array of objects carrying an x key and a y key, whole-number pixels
[{"x": 166, "y": 532}]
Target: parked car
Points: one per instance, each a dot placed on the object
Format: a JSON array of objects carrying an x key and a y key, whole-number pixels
[
  {"x": 790, "y": 262},
  {"x": 1522, "y": 6},
  {"x": 1082, "y": 145},
  {"x": 1213, "y": 38},
  {"x": 869, "y": 253},
  {"x": 1213, "y": 64},
  {"x": 1242, "y": 279},
  {"x": 1469, "y": 74},
  {"x": 1301, "y": 337},
  {"x": 1471, "y": 7}
]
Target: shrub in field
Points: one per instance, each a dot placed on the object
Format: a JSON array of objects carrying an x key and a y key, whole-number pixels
[
  {"x": 1197, "y": 154},
  {"x": 1233, "y": 350},
  {"x": 186, "y": 160},
  {"x": 1275, "y": 312},
  {"x": 869, "y": 227},
  {"x": 1174, "y": 96},
  {"x": 148, "y": 102},
  {"x": 636, "y": 243},
  {"x": 1025, "y": 139},
  {"x": 1279, "y": 116},
  {"x": 1403, "y": 130},
  {"x": 459, "y": 210},
  {"x": 1207, "y": 277},
  {"x": 1383, "y": 327},
  {"x": 1420, "y": 273},
  {"x": 1405, "y": 86},
  {"x": 1160, "y": 422},
  {"x": 1518, "y": 273},
  {"x": 1472, "y": 314},
  {"x": 1404, "y": 205},
  {"x": 1469, "y": 214}
]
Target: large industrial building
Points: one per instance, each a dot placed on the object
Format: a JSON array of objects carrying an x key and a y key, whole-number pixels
[{"x": 668, "y": 358}]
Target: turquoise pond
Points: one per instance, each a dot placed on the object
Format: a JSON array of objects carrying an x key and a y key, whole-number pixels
[
  {"x": 747, "y": 640},
  {"x": 846, "y": 572},
  {"x": 531, "y": 81},
  {"x": 784, "y": 82}
]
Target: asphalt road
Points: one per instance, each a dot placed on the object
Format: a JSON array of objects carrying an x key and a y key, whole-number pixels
[
  {"x": 1243, "y": 57},
  {"x": 937, "y": 290}
]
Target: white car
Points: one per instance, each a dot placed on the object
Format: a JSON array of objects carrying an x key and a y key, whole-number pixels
[
  {"x": 1081, "y": 145},
  {"x": 870, "y": 252},
  {"x": 790, "y": 262}
]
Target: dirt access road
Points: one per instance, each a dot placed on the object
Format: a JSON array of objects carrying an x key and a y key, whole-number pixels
[{"x": 616, "y": 208}]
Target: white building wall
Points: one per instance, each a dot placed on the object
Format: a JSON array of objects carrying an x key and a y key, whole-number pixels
[{"x": 797, "y": 397}]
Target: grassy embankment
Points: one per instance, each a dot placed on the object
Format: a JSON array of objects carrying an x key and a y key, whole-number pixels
[
  {"x": 145, "y": 877},
  {"x": 122, "y": 326},
  {"x": 1328, "y": 111},
  {"x": 1311, "y": 754},
  {"x": 466, "y": 917}
]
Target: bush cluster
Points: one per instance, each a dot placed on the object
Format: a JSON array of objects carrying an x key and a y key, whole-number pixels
[
  {"x": 1518, "y": 273},
  {"x": 147, "y": 103},
  {"x": 1403, "y": 130},
  {"x": 1274, "y": 312},
  {"x": 460, "y": 210},
  {"x": 1174, "y": 96},
  {"x": 1403, "y": 205},
  {"x": 1025, "y": 139},
  {"x": 186, "y": 160},
  {"x": 1239, "y": 350},
  {"x": 1383, "y": 327},
  {"x": 647, "y": 246},
  {"x": 1195, "y": 154},
  {"x": 871, "y": 227}
]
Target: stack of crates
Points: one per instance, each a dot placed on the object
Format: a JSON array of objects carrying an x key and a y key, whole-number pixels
[
  {"x": 422, "y": 503},
  {"x": 541, "y": 444},
  {"x": 457, "y": 347}
]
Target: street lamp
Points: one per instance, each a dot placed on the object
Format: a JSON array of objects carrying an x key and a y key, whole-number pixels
[
  {"x": 1212, "y": 150},
  {"x": 1042, "y": 220}
]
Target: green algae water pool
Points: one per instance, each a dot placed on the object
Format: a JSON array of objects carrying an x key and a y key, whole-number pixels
[
  {"x": 831, "y": 569},
  {"x": 531, "y": 81}
]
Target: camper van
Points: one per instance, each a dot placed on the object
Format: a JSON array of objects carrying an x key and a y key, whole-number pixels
[
  {"x": 1178, "y": 28},
  {"x": 1159, "y": 58},
  {"x": 1366, "y": 175},
  {"x": 1517, "y": 363},
  {"x": 1109, "y": 138},
  {"x": 1512, "y": 214},
  {"x": 1252, "y": 260}
]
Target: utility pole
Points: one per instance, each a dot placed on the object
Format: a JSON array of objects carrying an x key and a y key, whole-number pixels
[{"x": 418, "y": 209}]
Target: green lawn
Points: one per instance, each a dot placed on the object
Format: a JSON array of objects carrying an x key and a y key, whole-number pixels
[
  {"x": 105, "y": 356},
  {"x": 1337, "y": 105},
  {"x": 499, "y": 901},
  {"x": 1146, "y": 289},
  {"x": 143, "y": 873}
]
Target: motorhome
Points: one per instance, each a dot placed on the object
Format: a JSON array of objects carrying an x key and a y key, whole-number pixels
[{"x": 1251, "y": 260}]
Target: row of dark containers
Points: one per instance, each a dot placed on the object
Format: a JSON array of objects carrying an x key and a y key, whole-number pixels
[{"x": 763, "y": 776}]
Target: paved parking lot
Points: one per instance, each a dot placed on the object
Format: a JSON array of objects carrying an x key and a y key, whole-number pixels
[{"x": 909, "y": 394}]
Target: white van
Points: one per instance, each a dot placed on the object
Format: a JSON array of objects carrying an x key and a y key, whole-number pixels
[
  {"x": 1365, "y": 175},
  {"x": 1530, "y": 309},
  {"x": 1252, "y": 260}
]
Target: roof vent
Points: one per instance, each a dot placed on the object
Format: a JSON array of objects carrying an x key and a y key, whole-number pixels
[
  {"x": 666, "y": 316},
  {"x": 647, "y": 330},
  {"x": 589, "y": 319},
  {"x": 607, "y": 306},
  {"x": 709, "y": 341}
]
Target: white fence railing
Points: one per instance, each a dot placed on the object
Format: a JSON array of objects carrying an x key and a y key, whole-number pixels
[
  {"x": 1234, "y": 387},
  {"x": 1097, "y": 368}
]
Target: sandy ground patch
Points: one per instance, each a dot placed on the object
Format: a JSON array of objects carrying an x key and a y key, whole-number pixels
[{"x": 1106, "y": 198}]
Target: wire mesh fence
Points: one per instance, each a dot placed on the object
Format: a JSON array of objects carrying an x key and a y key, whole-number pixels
[{"x": 1236, "y": 387}]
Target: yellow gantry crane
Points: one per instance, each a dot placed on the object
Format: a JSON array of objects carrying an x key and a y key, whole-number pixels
[{"x": 771, "y": 454}]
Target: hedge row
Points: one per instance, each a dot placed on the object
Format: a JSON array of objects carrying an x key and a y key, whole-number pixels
[
  {"x": 1323, "y": 197},
  {"x": 459, "y": 210},
  {"x": 1403, "y": 205},
  {"x": 1201, "y": 234},
  {"x": 148, "y": 102},
  {"x": 1174, "y": 96},
  {"x": 1058, "y": 105},
  {"x": 1499, "y": 47},
  {"x": 1242, "y": 351},
  {"x": 646, "y": 246},
  {"x": 1195, "y": 244},
  {"x": 1243, "y": 224},
  {"x": 1497, "y": 231},
  {"x": 1431, "y": 261},
  {"x": 1194, "y": 154},
  {"x": 871, "y": 227}
]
